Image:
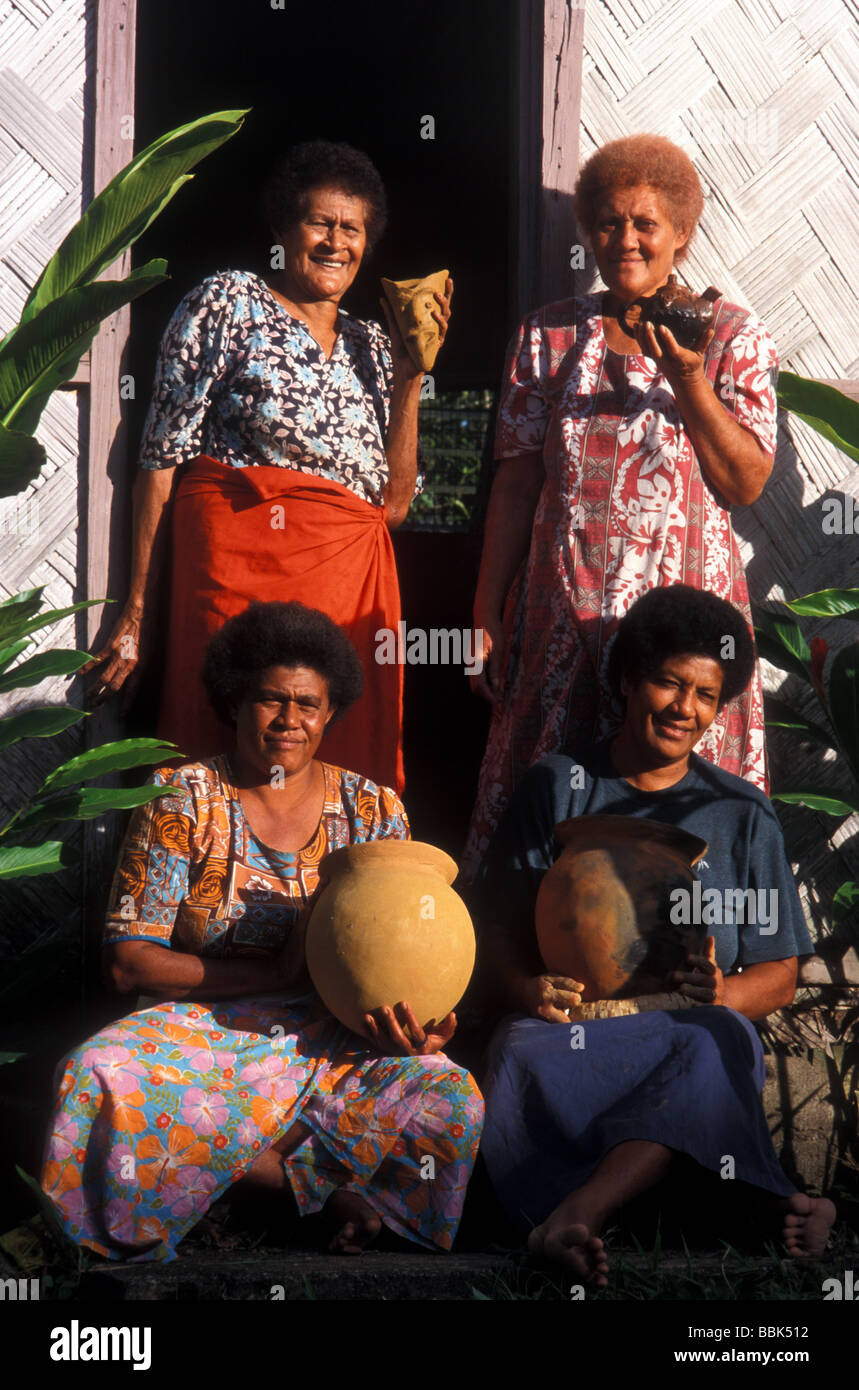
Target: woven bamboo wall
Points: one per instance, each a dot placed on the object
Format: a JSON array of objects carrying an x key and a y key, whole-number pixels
[
  {"x": 44, "y": 58},
  {"x": 762, "y": 94}
]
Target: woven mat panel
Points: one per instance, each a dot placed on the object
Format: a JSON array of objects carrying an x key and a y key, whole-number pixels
[{"x": 43, "y": 64}]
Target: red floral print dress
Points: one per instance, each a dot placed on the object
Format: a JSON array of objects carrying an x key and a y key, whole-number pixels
[{"x": 625, "y": 507}]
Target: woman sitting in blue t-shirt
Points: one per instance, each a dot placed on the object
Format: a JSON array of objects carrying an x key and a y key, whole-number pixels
[{"x": 573, "y": 1132}]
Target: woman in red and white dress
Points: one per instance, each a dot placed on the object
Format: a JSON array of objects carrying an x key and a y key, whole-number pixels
[{"x": 619, "y": 458}]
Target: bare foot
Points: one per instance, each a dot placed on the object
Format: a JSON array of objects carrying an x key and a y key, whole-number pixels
[
  {"x": 355, "y": 1222},
  {"x": 561, "y": 1240},
  {"x": 807, "y": 1222}
]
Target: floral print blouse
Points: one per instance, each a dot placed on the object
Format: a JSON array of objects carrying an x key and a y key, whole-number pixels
[
  {"x": 193, "y": 876},
  {"x": 242, "y": 380}
]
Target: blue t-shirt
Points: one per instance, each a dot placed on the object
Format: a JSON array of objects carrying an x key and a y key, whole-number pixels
[{"x": 745, "y": 851}]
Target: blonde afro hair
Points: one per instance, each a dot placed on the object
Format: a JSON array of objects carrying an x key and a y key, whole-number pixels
[{"x": 641, "y": 159}]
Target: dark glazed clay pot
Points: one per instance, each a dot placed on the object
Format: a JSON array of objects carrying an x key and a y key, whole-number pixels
[
  {"x": 603, "y": 909},
  {"x": 687, "y": 315}
]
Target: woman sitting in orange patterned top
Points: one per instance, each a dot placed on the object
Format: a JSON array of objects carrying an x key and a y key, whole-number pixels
[{"x": 241, "y": 1072}]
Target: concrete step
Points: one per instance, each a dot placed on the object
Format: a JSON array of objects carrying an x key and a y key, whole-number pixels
[{"x": 298, "y": 1275}]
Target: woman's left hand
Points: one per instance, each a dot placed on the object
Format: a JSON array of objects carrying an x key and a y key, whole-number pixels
[
  {"x": 701, "y": 979},
  {"x": 675, "y": 362},
  {"x": 396, "y": 1032}
]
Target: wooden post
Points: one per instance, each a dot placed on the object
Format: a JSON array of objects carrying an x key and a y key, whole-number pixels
[
  {"x": 108, "y": 481},
  {"x": 550, "y": 42}
]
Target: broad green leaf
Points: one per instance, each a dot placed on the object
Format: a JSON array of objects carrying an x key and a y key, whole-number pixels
[
  {"x": 28, "y": 861},
  {"x": 21, "y": 460},
  {"x": 780, "y": 641},
  {"x": 845, "y": 902},
  {"x": 37, "y": 357},
  {"x": 8, "y": 654},
  {"x": 61, "y": 662},
  {"x": 818, "y": 801},
  {"x": 779, "y": 715},
  {"x": 825, "y": 408},
  {"x": 111, "y": 757},
  {"x": 844, "y": 701},
  {"x": 827, "y": 603},
  {"x": 21, "y": 625},
  {"x": 86, "y": 804},
  {"x": 128, "y": 204},
  {"x": 23, "y": 596},
  {"x": 16, "y": 611},
  {"x": 38, "y": 723}
]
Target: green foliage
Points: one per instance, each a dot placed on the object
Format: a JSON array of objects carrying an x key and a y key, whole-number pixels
[
  {"x": 30, "y": 861},
  {"x": 826, "y": 409},
  {"x": 452, "y": 431},
  {"x": 43, "y": 353},
  {"x": 782, "y": 642},
  {"x": 845, "y": 903},
  {"x": 55, "y": 663},
  {"x": 60, "y": 798},
  {"x": 68, "y": 303},
  {"x": 826, "y": 603}
]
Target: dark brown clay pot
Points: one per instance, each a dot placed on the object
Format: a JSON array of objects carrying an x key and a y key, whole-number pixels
[
  {"x": 686, "y": 314},
  {"x": 603, "y": 909}
]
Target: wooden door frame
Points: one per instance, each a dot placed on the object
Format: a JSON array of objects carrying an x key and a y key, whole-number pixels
[
  {"x": 108, "y": 481},
  {"x": 547, "y": 114}
]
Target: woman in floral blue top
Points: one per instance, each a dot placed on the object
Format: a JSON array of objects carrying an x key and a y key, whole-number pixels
[{"x": 281, "y": 448}]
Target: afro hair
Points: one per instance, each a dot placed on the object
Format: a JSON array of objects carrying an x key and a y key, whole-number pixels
[
  {"x": 678, "y": 620},
  {"x": 279, "y": 634}
]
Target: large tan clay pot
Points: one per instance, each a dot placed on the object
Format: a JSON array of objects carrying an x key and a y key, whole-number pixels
[
  {"x": 388, "y": 927},
  {"x": 603, "y": 909}
]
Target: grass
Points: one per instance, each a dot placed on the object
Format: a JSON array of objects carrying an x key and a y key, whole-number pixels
[{"x": 657, "y": 1274}]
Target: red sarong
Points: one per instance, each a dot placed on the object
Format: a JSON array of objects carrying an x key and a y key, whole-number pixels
[{"x": 327, "y": 548}]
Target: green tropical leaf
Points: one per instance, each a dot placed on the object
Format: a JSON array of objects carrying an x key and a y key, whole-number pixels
[
  {"x": 128, "y": 204},
  {"x": 845, "y": 902},
  {"x": 38, "y": 356},
  {"x": 826, "y": 409},
  {"x": 779, "y": 715},
  {"x": 21, "y": 460},
  {"x": 20, "y": 624},
  {"x": 86, "y": 804},
  {"x": 780, "y": 641},
  {"x": 111, "y": 757},
  {"x": 17, "y": 610},
  {"x": 28, "y": 861},
  {"x": 38, "y": 723},
  {"x": 818, "y": 801},
  {"x": 826, "y": 603},
  {"x": 8, "y": 654},
  {"x": 844, "y": 702},
  {"x": 61, "y": 662}
]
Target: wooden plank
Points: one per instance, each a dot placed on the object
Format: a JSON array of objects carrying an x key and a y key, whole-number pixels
[
  {"x": 108, "y": 481},
  {"x": 550, "y": 38}
]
